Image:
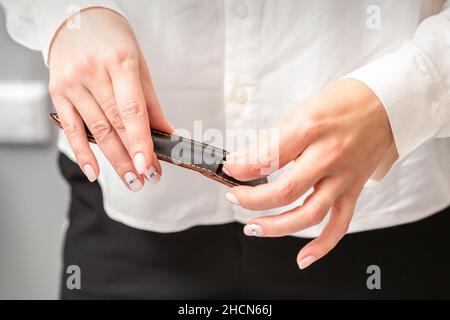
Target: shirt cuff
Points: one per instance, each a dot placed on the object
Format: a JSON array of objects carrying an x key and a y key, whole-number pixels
[
  {"x": 50, "y": 15},
  {"x": 408, "y": 86}
]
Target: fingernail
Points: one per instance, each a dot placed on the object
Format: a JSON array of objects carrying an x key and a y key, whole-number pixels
[
  {"x": 232, "y": 157},
  {"x": 139, "y": 163},
  {"x": 225, "y": 170},
  {"x": 232, "y": 198},
  {"x": 152, "y": 175},
  {"x": 89, "y": 172},
  {"x": 306, "y": 262},
  {"x": 133, "y": 182},
  {"x": 253, "y": 230}
]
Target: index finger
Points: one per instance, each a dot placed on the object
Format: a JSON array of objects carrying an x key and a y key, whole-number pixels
[
  {"x": 290, "y": 186},
  {"x": 133, "y": 111}
]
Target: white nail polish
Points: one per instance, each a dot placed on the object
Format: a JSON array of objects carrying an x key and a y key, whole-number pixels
[
  {"x": 253, "y": 230},
  {"x": 89, "y": 172},
  {"x": 225, "y": 170},
  {"x": 231, "y": 158},
  {"x": 306, "y": 262},
  {"x": 139, "y": 163},
  {"x": 232, "y": 198},
  {"x": 152, "y": 175},
  {"x": 133, "y": 182}
]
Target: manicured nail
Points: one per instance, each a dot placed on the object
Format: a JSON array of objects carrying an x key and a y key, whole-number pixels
[
  {"x": 306, "y": 262},
  {"x": 139, "y": 163},
  {"x": 232, "y": 198},
  {"x": 232, "y": 157},
  {"x": 133, "y": 182},
  {"x": 225, "y": 170},
  {"x": 253, "y": 230},
  {"x": 89, "y": 172},
  {"x": 152, "y": 175}
]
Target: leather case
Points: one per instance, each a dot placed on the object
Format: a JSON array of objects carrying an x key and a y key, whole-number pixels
[{"x": 186, "y": 153}]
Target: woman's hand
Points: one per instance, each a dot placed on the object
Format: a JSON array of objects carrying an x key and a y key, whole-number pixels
[
  {"x": 98, "y": 74},
  {"x": 336, "y": 139}
]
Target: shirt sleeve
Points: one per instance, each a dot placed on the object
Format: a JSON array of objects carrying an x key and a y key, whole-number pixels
[
  {"x": 33, "y": 23},
  {"x": 413, "y": 84}
]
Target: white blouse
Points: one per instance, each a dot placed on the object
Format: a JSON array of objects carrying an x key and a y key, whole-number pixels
[{"x": 240, "y": 64}]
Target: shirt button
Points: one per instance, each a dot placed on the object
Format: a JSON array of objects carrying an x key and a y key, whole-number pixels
[
  {"x": 240, "y": 9},
  {"x": 240, "y": 95}
]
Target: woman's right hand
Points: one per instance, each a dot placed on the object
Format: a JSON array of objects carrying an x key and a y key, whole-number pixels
[{"x": 98, "y": 75}]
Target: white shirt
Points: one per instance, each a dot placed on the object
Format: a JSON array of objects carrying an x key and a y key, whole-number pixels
[{"x": 242, "y": 63}]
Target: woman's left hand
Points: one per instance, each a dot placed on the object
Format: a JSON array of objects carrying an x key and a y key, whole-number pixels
[{"x": 336, "y": 139}]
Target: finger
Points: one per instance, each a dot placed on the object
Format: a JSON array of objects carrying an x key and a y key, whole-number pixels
[
  {"x": 155, "y": 176},
  {"x": 132, "y": 109},
  {"x": 73, "y": 127},
  {"x": 274, "y": 150},
  {"x": 333, "y": 232},
  {"x": 290, "y": 186},
  {"x": 106, "y": 137},
  {"x": 312, "y": 212},
  {"x": 101, "y": 88},
  {"x": 157, "y": 119}
]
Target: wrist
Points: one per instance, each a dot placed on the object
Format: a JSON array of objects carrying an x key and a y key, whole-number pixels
[{"x": 373, "y": 113}]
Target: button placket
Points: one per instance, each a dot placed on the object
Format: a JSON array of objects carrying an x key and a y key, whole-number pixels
[{"x": 241, "y": 58}]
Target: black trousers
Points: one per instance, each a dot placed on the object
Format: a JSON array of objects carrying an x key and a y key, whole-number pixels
[{"x": 210, "y": 262}]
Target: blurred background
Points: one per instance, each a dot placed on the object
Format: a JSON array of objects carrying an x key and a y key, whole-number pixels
[{"x": 33, "y": 195}]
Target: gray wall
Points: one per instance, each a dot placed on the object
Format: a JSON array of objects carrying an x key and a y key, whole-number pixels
[{"x": 33, "y": 197}]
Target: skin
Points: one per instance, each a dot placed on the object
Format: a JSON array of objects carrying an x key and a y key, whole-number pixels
[
  {"x": 336, "y": 139},
  {"x": 98, "y": 75}
]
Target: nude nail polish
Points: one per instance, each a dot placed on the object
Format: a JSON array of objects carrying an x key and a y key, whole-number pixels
[
  {"x": 253, "y": 230},
  {"x": 306, "y": 262},
  {"x": 152, "y": 175},
  {"x": 225, "y": 170},
  {"x": 89, "y": 172},
  {"x": 139, "y": 163},
  {"x": 133, "y": 182},
  {"x": 232, "y": 198}
]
